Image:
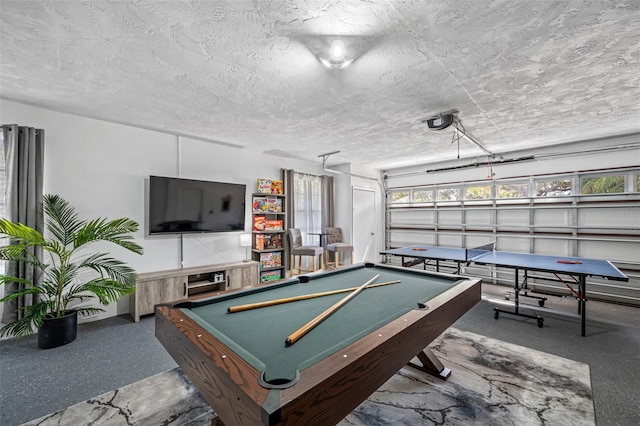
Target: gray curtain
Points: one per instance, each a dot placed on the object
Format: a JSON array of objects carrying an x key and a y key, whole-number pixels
[
  {"x": 328, "y": 208},
  {"x": 24, "y": 159},
  {"x": 327, "y": 202},
  {"x": 287, "y": 182}
]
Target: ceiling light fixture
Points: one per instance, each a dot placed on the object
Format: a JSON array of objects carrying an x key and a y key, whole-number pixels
[
  {"x": 337, "y": 56},
  {"x": 337, "y": 51}
]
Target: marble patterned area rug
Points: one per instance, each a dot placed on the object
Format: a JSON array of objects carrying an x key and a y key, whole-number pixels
[{"x": 492, "y": 382}]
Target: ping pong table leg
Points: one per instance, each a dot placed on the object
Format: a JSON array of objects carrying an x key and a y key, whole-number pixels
[
  {"x": 582, "y": 305},
  {"x": 516, "y": 290},
  {"x": 516, "y": 287},
  {"x": 525, "y": 290}
]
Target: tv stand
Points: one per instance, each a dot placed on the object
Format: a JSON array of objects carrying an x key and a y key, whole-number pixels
[{"x": 172, "y": 285}]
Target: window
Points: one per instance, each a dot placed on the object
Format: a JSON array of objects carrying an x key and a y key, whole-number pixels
[
  {"x": 602, "y": 185},
  {"x": 448, "y": 194},
  {"x": 513, "y": 190},
  {"x": 307, "y": 205},
  {"x": 553, "y": 188},
  {"x": 478, "y": 192},
  {"x": 399, "y": 197},
  {"x": 422, "y": 195},
  {"x": 638, "y": 182}
]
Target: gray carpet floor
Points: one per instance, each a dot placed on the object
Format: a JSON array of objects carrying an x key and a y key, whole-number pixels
[
  {"x": 112, "y": 353},
  {"x": 495, "y": 383}
]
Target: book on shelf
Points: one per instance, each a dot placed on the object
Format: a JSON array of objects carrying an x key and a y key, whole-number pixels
[
  {"x": 269, "y": 276},
  {"x": 273, "y": 225},
  {"x": 277, "y": 187},
  {"x": 271, "y": 260},
  {"x": 264, "y": 186},
  {"x": 259, "y": 242},
  {"x": 268, "y": 241},
  {"x": 258, "y": 223},
  {"x": 270, "y": 186},
  {"x": 267, "y": 205}
]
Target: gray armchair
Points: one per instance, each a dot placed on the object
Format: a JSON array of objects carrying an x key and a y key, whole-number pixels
[{"x": 297, "y": 249}]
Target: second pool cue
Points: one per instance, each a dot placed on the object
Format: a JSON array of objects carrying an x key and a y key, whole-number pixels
[
  {"x": 266, "y": 303},
  {"x": 298, "y": 334}
]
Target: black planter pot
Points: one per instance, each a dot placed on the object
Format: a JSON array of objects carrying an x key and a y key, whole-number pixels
[{"x": 58, "y": 331}]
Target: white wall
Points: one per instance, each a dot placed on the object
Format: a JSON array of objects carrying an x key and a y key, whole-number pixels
[{"x": 103, "y": 169}]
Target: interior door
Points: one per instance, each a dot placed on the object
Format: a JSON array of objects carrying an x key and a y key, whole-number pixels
[{"x": 364, "y": 225}]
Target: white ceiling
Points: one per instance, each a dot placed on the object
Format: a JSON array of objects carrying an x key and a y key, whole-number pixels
[{"x": 521, "y": 73}]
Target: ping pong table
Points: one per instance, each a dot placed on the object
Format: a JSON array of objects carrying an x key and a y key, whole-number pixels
[{"x": 575, "y": 269}]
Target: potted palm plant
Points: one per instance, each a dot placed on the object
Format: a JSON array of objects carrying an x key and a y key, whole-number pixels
[{"x": 70, "y": 277}]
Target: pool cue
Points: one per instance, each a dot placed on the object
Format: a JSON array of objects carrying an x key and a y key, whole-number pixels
[
  {"x": 298, "y": 334},
  {"x": 266, "y": 303}
]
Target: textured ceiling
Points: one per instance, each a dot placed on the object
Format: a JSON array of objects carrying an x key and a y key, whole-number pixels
[{"x": 521, "y": 73}]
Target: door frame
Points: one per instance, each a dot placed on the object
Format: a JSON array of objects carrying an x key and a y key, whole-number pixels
[{"x": 371, "y": 245}]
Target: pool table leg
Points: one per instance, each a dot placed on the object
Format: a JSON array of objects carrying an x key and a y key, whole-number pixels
[
  {"x": 216, "y": 421},
  {"x": 431, "y": 364}
]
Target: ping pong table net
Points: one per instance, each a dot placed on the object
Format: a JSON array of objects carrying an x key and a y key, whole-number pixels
[{"x": 479, "y": 251}]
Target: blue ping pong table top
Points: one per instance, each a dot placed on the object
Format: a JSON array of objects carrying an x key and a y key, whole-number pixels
[
  {"x": 430, "y": 252},
  {"x": 538, "y": 262},
  {"x": 533, "y": 262}
]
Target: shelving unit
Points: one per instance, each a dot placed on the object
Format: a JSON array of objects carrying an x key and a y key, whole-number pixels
[
  {"x": 268, "y": 235},
  {"x": 172, "y": 285},
  {"x": 206, "y": 282}
]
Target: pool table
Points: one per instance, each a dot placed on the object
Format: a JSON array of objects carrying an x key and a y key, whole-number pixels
[{"x": 240, "y": 364}]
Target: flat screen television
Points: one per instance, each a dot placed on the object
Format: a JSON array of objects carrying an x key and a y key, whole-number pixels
[{"x": 183, "y": 206}]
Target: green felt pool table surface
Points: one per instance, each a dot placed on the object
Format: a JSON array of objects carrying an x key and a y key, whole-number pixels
[{"x": 242, "y": 367}]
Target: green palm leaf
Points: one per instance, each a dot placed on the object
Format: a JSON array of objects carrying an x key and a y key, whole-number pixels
[
  {"x": 113, "y": 268},
  {"x": 88, "y": 310},
  {"x": 32, "y": 318},
  {"x": 62, "y": 222},
  {"x": 21, "y": 235},
  {"x": 117, "y": 231},
  {"x": 107, "y": 290},
  {"x": 20, "y": 253},
  {"x": 20, "y": 292}
]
